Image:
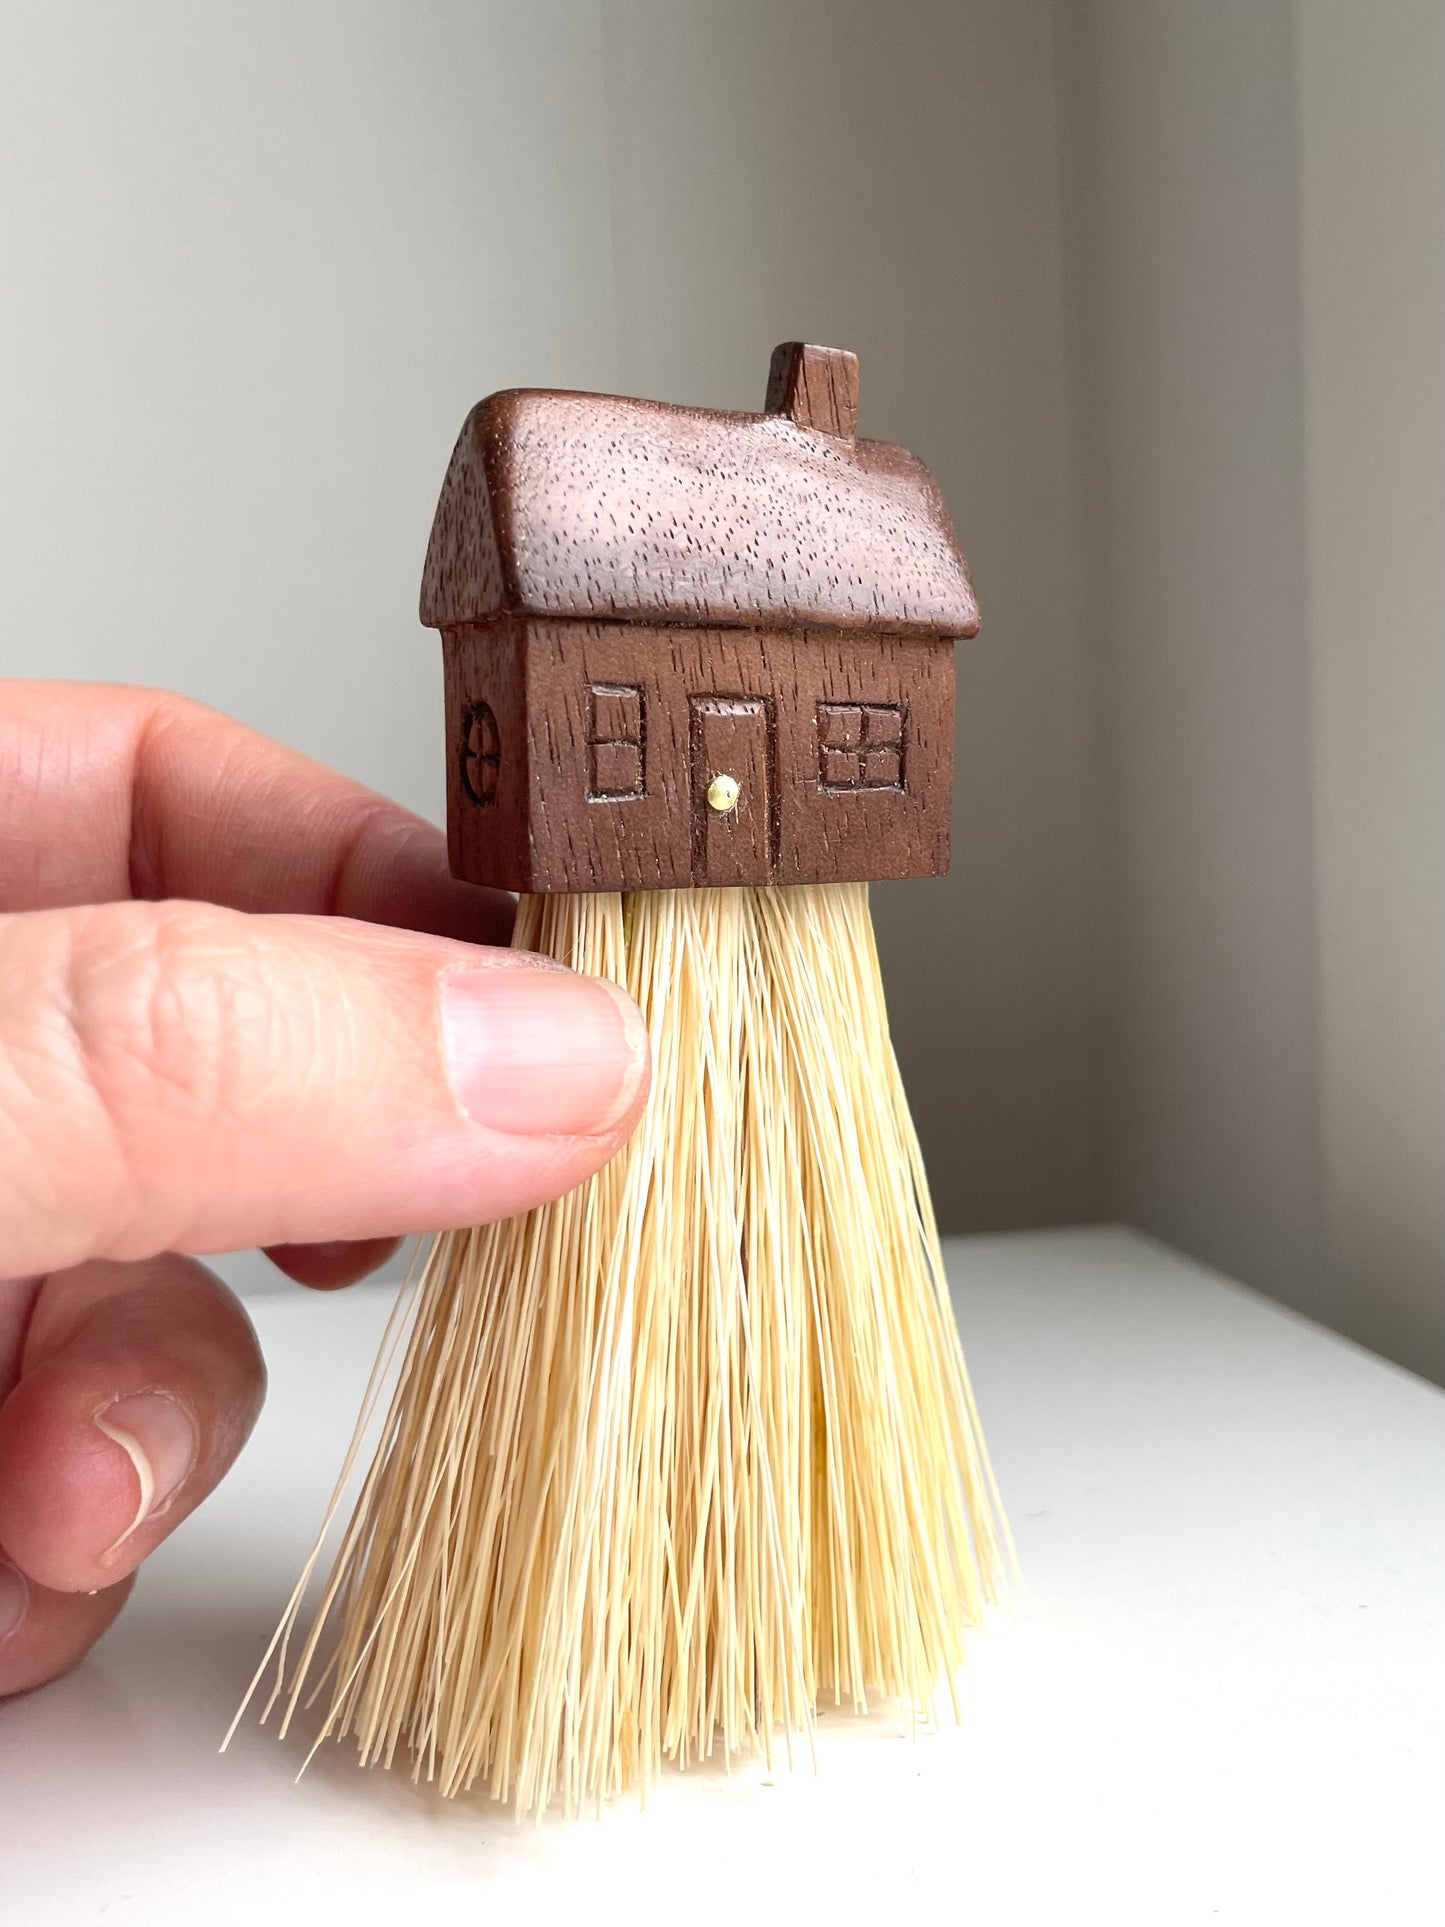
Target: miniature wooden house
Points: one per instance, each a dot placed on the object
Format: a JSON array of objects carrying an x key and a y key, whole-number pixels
[{"x": 685, "y": 647}]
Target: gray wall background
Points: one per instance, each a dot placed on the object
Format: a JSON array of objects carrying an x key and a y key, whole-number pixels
[
  {"x": 1255, "y": 223},
  {"x": 1154, "y": 288}
]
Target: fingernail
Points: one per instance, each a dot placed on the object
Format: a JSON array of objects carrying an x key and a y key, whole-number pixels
[
  {"x": 14, "y": 1599},
  {"x": 159, "y": 1435},
  {"x": 537, "y": 1051}
]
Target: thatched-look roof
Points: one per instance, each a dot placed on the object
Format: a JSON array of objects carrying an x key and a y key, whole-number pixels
[{"x": 573, "y": 505}]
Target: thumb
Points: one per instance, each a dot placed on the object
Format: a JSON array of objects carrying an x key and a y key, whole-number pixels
[{"x": 177, "y": 1076}]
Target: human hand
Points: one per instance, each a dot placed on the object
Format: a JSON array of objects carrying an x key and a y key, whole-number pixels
[{"x": 220, "y": 1026}]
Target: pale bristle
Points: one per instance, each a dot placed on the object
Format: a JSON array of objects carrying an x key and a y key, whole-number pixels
[{"x": 675, "y": 1458}]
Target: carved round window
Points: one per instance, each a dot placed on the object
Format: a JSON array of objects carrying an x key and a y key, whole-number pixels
[{"x": 481, "y": 754}]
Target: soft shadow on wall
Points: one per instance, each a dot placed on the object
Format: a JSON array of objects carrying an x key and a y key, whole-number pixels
[
  {"x": 266, "y": 259},
  {"x": 1156, "y": 293},
  {"x": 904, "y": 203},
  {"x": 1255, "y": 220}
]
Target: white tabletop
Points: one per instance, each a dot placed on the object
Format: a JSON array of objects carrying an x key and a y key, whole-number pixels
[{"x": 1223, "y": 1701}]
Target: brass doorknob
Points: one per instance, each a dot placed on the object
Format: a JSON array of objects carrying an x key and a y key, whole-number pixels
[{"x": 723, "y": 793}]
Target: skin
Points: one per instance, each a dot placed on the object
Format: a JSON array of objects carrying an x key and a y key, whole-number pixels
[{"x": 224, "y": 974}]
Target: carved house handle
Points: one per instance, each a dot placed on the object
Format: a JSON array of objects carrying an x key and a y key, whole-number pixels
[{"x": 695, "y": 648}]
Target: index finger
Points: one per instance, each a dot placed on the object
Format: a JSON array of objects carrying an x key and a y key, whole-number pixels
[{"x": 109, "y": 792}]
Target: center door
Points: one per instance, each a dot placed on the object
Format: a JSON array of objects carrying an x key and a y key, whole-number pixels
[{"x": 732, "y": 736}]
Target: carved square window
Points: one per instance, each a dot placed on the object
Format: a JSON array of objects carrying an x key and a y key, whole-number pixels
[
  {"x": 614, "y": 741},
  {"x": 860, "y": 746}
]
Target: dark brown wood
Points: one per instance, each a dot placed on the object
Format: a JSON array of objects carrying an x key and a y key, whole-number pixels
[
  {"x": 597, "y": 507},
  {"x": 814, "y": 387},
  {"x": 732, "y": 740},
  {"x": 689, "y": 648},
  {"x": 841, "y": 745},
  {"x": 483, "y": 668}
]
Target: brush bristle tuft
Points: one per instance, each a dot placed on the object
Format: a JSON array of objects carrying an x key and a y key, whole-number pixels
[{"x": 681, "y": 1455}]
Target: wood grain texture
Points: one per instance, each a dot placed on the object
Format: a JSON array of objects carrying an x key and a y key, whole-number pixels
[
  {"x": 814, "y": 387},
  {"x": 484, "y": 664},
  {"x": 841, "y": 744},
  {"x": 593, "y": 506},
  {"x": 693, "y": 648},
  {"x": 733, "y": 736}
]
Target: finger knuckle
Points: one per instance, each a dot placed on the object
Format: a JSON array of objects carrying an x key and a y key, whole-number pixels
[
  {"x": 138, "y": 1030},
  {"x": 146, "y": 1009}
]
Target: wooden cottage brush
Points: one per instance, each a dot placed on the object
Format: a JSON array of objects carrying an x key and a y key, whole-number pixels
[{"x": 675, "y": 1457}]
